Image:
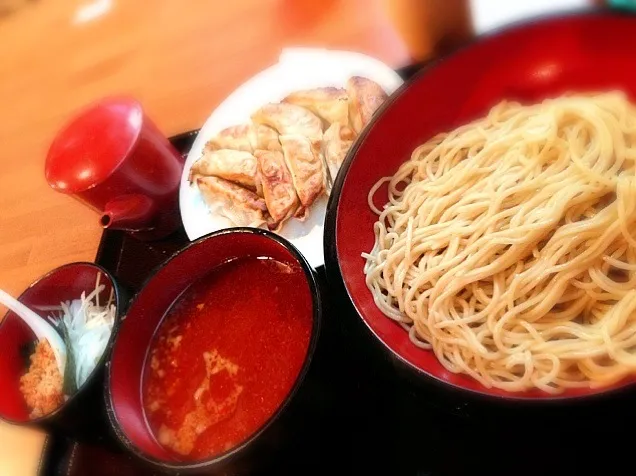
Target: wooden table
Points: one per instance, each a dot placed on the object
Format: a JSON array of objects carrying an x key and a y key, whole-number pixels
[{"x": 58, "y": 55}]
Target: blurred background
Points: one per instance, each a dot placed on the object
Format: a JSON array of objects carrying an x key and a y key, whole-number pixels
[{"x": 181, "y": 59}]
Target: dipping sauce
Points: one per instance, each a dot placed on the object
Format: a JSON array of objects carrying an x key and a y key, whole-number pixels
[{"x": 226, "y": 355}]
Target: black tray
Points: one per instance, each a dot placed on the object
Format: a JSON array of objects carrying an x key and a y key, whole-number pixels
[{"x": 365, "y": 417}]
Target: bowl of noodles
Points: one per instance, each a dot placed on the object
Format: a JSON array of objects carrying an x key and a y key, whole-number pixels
[{"x": 484, "y": 225}]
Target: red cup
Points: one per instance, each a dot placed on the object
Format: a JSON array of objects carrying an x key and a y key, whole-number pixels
[{"x": 114, "y": 159}]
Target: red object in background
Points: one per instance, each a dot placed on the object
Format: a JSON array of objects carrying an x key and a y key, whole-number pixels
[
  {"x": 114, "y": 159},
  {"x": 589, "y": 52}
]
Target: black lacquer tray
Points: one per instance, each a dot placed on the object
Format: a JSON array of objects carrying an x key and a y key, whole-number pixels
[{"x": 364, "y": 417}]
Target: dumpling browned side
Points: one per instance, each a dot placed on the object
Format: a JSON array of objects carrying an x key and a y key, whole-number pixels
[
  {"x": 276, "y": 182},
  {"x": 233, "y": 165},
  {"x": 290, "y": 119},
  {"x": 306, "y": 168},
  {"x": 241, "y": 206}
]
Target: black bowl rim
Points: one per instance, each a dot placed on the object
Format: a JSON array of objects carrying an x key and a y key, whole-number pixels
[
  {"x": 332, "y": 261},
  {"x": 311, "y": 348},
  {"x": 117, "y": 297}
]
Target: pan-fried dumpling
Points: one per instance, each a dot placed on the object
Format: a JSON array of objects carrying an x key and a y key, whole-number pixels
[
  {"x": 277, "y": 185},
  {"x": 241, "y": 206},
  {"x": 264, "y": 138},
  {"x": 330, "y": 104},
  {"x": 233, "y": 165},
  {"x": 305, "y": 166},
  {"x": 289, "y": 119},
  {"x": 365, "y": 97},
  {"x": 337, "y": 142},
  {"x": 234, "y": 137},
  {"x": 245, "y": 137}
]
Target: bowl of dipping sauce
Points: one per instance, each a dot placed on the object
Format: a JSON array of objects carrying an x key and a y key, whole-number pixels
[
  {"x": 212, "y": 352},
  {"x": 34, "y": 391}
]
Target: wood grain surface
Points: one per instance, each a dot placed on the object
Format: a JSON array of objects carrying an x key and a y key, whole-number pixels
[{"x": 179, "y": 58}]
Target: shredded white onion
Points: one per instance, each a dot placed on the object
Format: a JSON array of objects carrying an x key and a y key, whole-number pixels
[{"x": 89, "y": 327}]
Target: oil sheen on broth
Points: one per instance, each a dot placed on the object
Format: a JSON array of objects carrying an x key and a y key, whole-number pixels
[{"x": 226, "y": 355}]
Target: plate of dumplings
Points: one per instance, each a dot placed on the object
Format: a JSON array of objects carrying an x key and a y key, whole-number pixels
[{"x": 268, "y": 155}]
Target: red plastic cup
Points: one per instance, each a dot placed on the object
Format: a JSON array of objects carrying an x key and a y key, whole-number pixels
[{"x": 114, "y": 159}]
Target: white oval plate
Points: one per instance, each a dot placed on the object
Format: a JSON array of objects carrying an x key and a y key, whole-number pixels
[{"x": 297, "y": 70}]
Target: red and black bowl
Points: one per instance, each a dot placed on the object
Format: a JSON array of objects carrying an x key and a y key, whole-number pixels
[
  {"x": 124, "y": 401},
  {"x": 530, "y": 62},
  {"x": 81, "y": 416}
]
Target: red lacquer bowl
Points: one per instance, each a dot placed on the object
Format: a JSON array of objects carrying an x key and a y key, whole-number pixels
[
  {"x": 589, "y": 52},
  {"x": 81, "y": 416},
  {"x": 123, "y": 391}
]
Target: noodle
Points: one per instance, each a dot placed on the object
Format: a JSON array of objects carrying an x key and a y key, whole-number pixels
[{"x": 508, "y": 246}]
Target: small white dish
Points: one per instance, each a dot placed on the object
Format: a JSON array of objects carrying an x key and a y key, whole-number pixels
[{"x": 298, "y": 69}]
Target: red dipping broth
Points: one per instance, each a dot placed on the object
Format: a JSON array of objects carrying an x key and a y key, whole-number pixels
[
  {"x": 226, "y": 355},
  {"x": 212, "y": 349}
]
